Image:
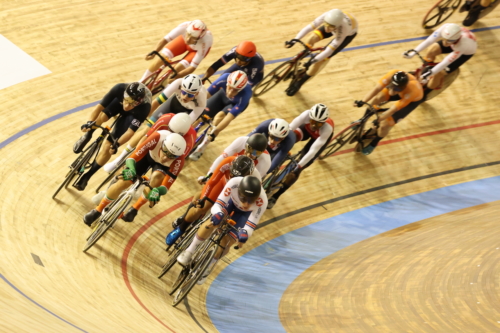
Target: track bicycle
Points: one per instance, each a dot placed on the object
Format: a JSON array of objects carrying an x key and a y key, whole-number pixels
[
  {"x": 274, "y": 181},
  {"x": 156, "y": 82},
  {"x": 83, "y": 161},
  {"x": 210, "y": 128},
  {"x": 290, "y": 69},
  {"x": 191, "y": 273},
  {"x": 443, "y": 9},
  {"x": 114, "y": 211},
  {"x": 112, "y": 174}
]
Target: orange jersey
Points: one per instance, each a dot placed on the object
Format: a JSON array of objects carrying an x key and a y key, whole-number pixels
[
  {"x": 216, "y": 183},
  {"x": 412, "y": 93},
  {"x": 162, "y": 124}
]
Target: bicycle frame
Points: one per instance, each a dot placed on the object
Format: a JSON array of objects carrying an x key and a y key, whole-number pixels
[{"x": 155, "y": 84}]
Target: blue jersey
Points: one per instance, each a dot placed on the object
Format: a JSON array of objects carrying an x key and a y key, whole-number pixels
[
  {"x": 280, "y": 151},
  {"x": 254, "y": 69},
  {"x": 239, "y": 102}
]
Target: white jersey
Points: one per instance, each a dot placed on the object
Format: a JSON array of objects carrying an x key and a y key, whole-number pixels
[
  {"x": 202, "y": 46},
  {"x": 230, "y": 192},
  {"x": 156, "y": 151},
  {"x": 262, "y": 163},
  {"x": 321, "y": 136},
  {"x": 466, "y": 45},
  {"x": 198, "y": 104}
]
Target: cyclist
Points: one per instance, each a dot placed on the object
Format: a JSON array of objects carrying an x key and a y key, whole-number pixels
[
  {"x": 398, "y": 86},
  {"x": 191, "y": 36},
  {"x": 132, "y": 102},
  {"x": 245, "y": 198},
  {"x": 162, "y": 152},
  {"x": 474, "y": 12},
  {"x": 460, "y": 45},
  {"x": 230, "y": 96},
  {"x": 246, "y": 58},
  {"x": 280, "y": 140},
  {"x": 183, "y": 95},
  {"x": 334, "y": 22},
  {"x": 316, "y": 126},
  {"x": 232, "y": 166}
]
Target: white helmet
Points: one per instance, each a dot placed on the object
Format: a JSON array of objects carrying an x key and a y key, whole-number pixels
[
  {"x": 279, "y": 128},
  {"x": 319, "y": 113},
  {"x": 334, "y": 17},
  {"x": 197, "y": 29},
  {"x": 191, "y": 83},
  {"x": 237, "y": 80},
  {"x": 451, "y": 31},
  {"x": 180, "y": 123},
  {"x": 174, "y": 144}
]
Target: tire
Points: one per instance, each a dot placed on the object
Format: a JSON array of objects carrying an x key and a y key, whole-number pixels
[
  {"x": 107, "y": 220},
  {"x": 341, "y": 139},
  {"x": 194, "y": 275},
  {"x": 182, "y": 246},
  {"x": 273, "y": 78},
  {"x": 439, "y": 13},
  {"x": 448, "y": 80}
]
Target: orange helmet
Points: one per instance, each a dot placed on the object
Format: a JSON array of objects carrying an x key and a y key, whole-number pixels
[{"x": 246, "y": 50}]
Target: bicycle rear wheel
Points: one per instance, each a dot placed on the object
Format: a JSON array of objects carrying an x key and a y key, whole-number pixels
[
  {"x": 341, "y": 139},
  {"x": 195, "y": 274},
  {"x": 439, "y": 13},
  {"x": 273, "y": 78},
  {"x": 447, "y": 81},
  {"x": 182, "y": 246}
]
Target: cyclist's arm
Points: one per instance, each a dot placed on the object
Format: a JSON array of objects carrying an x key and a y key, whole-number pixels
[
  {"x": 325, "y": 133},
  {"x": 161, "y": 44},
  {"x": 171, "y": 89},
  {"x": 257, "y": 70},
  {"x": 254, "y": 218},
  {"x": 262, "y": 128},
  {"x": 228, "y": 56},
  {"x": 235, "y": 147},
  {"x": 285, "y": 146},
  {"x": 310, "y": 27},
  {"x": 431, "y": 39},
  {"x": 378, "y": 88},
  {"x": 217, "y": 176},
  {"x": 202, "y": 104},
  {"x": 160, "y": 124},
  {"x": 95, "y": 113},
  {"x": 333, "y": 45},
  {"x": 175, "y": 170},
  {"x": 223, "y": 199},
  {"x": 186, "y": 71},
  {"x": 201, "y": 52},
  {"x": 300, "y": 120},
  {"x": 450, "y": 58},
  {"x": 264, "y": 163}
]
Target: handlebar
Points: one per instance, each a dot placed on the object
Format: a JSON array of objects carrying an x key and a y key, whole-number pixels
[
  {"x": 418, "y": 54},
  {"x": 165, "y": 62},
  {"x": 301, "y": 42}
]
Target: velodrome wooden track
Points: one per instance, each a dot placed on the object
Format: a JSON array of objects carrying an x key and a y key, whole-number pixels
[{"x": 91, "y": 45}]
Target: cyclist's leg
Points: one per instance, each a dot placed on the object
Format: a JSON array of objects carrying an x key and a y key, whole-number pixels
[
  {"x": 184, "y": 67},
  {"x": 172, "y": 49},
  {"x": 475, "y": 11}
]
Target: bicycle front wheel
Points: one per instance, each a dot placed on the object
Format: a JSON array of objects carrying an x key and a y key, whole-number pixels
[
  {"x": 439, "y": 13},
  {"x": 273, "y": 78},
  {"x": 341, "y": 139},
  {"x": 182, "y": 246},
  {"x": 195, "y": 274}
]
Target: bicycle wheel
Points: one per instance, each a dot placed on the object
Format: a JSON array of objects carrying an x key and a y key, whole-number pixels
[
  {"x": 341, "y": 139},
  {"x": 195, "y": 274},
  {"x": 447, "y": 81},
  {"x": 107, "y": 220},
  {"x": 440, "y": 12},
  {"x": 273, "y": 78},
  {"x": 182, "y": 246},
  {"x": 269, "y": 180}
]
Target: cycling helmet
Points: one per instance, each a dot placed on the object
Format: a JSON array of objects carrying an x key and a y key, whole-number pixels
[
  {"x": 196, "y": 29},
  {"x": 246, "y": 49},
  {"x": 257, "y": 142},
  {"x": 191, "y": 84},
  {"x": 180, "y": 123},
  {"x": 136, "y": 91},
  {"x": 249, "y": 189},
  {"x": 451, "y": 31},
  {"x": 237, "y": 80},
  {"x": 279, "y": 128},
  {"x": 242, "y": 166},
  {"x": 319, "y": 113},
  {"x": 174, "y": 145},
  {"x": 399, "y": 80},
  {"x": 334, "y": 17}
]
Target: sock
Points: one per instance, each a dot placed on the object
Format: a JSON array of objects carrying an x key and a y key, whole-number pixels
[
  {"x": 375, "y": 141},
  {"x": 93, "y": 169},
  {"x": 140, "y": 202},
  {"x": 145, "y": 75},
  {"x": 104, "y": 202},
  {"x": 194, "y": 244},
  {"x": 281, "y": 191}
]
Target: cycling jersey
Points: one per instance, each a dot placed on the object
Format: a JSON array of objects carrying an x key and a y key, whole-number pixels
[
  {"x": 237, "y": 147},
  {"x": 162, "y": 124},
  {"x": 280, "y": 151},
  {"x": 229, "y": 198},
  {"x": 201, "y": 47},
  {"x": 412, "y": 93},
  {"x": 465, "y": 45},
  {"x": 239, "y": 102},
  {"x": 173, "y": 90},
  {"x": 320, "y": 136},
  {"x": 254, "y": 69}
]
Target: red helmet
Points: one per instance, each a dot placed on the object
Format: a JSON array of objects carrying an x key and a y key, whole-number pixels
[{"x": 246, "y": 50}]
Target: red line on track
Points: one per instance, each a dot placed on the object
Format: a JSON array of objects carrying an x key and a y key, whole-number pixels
[{"x": 131, "y": 243}]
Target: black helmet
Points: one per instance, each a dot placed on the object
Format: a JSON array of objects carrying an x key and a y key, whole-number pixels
[
  {"x": 257, "y": 141},
  {"x": 241, "y": 166},
  {"x": 399, "y": 81},
  {"x": 136, "y": 91},
  {"x": 249, "y": 189}
]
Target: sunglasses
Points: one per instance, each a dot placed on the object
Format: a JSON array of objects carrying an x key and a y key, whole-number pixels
[
  {"x": 243, "y": 58},
  {"x": 315, "y": 123},
  {"x": 169, "y": 154},
  {"x": 129, "y": 100},
  {"x": 246, "y": 200},
  {"x": 275, "y": 138},
  {"x": 395, "y": 88},
  {"x": 253, "y": 152},
  {"x": 185, "y": 93}
]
